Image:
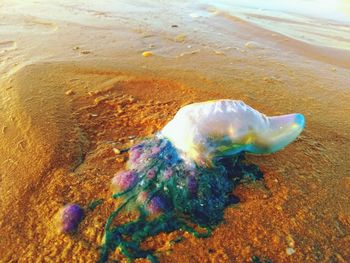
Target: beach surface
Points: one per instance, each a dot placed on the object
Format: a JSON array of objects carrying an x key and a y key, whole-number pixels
[{"x": 76, "y": 86}]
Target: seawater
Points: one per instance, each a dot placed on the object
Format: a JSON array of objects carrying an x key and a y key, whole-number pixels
[{"x": 318, "y": 22}]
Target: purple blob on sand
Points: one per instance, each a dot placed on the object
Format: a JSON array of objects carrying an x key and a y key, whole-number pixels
[
  {"x": 135, "y": 154},
  {"x": 70, "y": 217},
  {"x": 157, "y": 204},
  {"x": 124, "y": 180}
]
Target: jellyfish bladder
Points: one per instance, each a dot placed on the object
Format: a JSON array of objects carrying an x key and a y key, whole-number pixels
[{"x": 203, "y": 131}]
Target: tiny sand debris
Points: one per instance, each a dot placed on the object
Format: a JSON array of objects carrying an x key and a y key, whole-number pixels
[
  {"x": 120, "y": 159},
  {"x": 76, "y": 48},
  {"x": 21, "y": 144},
  {"x": 85, "y": 52},
  {"x": 180, "y": 38},
  {"x": 218, "y": 52},
  {"x": 174, "y": 26},
  {"x": 290, "y": 241},
  {"x": 101, "y": 99},
  {"x": 251, "y": 44},
  {"x": 116, "y": 150},
  {"x": 194, "y": 15},
  {"x": 290, "y": 251},
  {"x": 147, "y": 54},
  {"x": 132, "y": 100},
  {"x": 93, "y": 115},
  {"x": 70, "y": 92},
  {"x": 190, "y": 52}
]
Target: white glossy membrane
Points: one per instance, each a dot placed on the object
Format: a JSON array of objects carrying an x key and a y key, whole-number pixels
[{"x": 226, "y": 127}]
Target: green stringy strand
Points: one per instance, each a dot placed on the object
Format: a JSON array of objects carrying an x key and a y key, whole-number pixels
[{"x": 195, "y": 198}]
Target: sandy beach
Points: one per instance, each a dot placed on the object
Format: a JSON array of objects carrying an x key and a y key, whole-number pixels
[{"x": 75, "y": 84}]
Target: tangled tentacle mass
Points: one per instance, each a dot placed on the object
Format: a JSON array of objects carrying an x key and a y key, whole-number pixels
[
  {"x": 183, "y": 177},
  {"x": 170, "y": 193}
]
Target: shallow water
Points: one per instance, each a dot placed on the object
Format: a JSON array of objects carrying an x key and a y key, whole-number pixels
[
  {"x": 324, "y": 23},
  {"x": 31, "y": 29}
]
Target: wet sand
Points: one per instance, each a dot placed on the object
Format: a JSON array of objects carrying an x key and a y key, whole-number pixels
[{"x": 73, "y": 91}]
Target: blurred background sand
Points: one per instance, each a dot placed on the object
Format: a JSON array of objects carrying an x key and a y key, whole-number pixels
[{"x": 74, "y": 85}]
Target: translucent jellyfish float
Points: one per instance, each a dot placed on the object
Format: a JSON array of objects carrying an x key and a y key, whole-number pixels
[{"x": 182, "y": 177}]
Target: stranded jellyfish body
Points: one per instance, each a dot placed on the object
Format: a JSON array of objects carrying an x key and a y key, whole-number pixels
[
  {"x": 69, "y": 218},
  {"x": 227, "y": 127},
  {"x": 182, "y": 178}
]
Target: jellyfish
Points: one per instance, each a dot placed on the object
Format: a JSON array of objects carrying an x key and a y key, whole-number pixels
[
  {"x": 182, "y": 177},
  {"x": 69, "y": 218}
]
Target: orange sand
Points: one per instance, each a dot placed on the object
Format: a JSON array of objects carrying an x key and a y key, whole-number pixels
[{"x": 61, "y": 119}]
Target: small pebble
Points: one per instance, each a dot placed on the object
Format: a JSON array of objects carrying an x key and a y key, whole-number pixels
[
  {"x": 70, "y": 92},
  {"x": 116, "y": 150},
  {"x": 85, "y": 52},
  {"x": 290, "y": 251},
  {"x": 147, "y": 54},
  {"x": 180, "y": 38}
]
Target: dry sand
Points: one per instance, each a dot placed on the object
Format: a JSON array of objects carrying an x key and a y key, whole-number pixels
[{"x": 77, "y": 86}]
